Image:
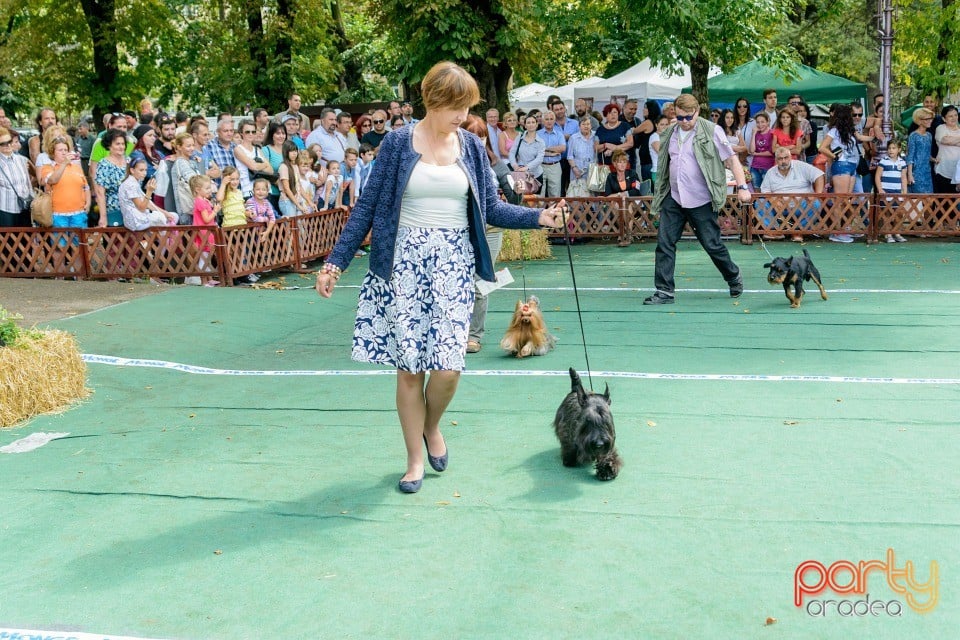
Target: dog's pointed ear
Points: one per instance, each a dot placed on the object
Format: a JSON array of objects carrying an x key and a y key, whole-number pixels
[
  {"x": 768, "y": 265},
  {"x": 790, "y": 261},
  {"x": 576, "y": 386},
  {"x": 606, "y": 392}
]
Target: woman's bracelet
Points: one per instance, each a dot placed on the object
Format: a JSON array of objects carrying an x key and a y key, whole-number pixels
[{"x": 331, "y": 269}]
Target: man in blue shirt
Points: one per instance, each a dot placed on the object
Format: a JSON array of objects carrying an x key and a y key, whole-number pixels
[
  {"x": 218, "y": 153},
  {"x": 556, "y": 146},
  {"x": 568, "y": 126}
]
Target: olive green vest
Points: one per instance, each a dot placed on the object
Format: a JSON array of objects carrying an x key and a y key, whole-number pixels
[{"x": 707, "y": 157}]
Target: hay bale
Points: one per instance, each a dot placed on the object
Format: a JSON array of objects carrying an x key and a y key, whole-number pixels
[
  {"x": 40, "y": 372},
  {"x": 526, "y": 245}
]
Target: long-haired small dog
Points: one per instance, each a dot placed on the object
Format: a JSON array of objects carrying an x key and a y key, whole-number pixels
[
  {"x": 584, "y": 427},
  {"x": 527, "y": 334}
]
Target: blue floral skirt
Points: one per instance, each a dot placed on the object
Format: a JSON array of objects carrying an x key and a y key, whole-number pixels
[{"x": 419, "y": 319}]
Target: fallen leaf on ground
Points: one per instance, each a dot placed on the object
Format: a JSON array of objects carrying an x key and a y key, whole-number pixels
[
  {"x": 218, "y": 552},
  {"x": 442, "y": 503},
  {"x": 790, "y": 422},
  {"x": 770, "y": 620},
  {"x": 651, "y": 423}
]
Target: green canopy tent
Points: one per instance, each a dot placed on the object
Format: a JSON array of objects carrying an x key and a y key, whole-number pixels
[{"x": 750, "y": 79}]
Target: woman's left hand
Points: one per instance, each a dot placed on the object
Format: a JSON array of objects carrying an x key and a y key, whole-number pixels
[{"x": 554, "y": 216}]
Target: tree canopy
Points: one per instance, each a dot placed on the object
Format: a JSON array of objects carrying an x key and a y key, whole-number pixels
[{"x": 203, "y": 55}]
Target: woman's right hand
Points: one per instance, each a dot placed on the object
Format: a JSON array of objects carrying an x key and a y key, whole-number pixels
[{"x": 325, "y": 284}]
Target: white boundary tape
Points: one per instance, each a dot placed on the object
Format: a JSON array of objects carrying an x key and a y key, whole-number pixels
[
  {"x": 187, "y": 368},
  {"x": 35, "y": 634},
  {"x": 772, "y": 289}
]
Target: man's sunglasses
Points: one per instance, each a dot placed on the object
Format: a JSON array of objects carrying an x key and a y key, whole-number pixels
[
  {"x": 379, "y": 121},
  {"x": 681, "y": 118}
]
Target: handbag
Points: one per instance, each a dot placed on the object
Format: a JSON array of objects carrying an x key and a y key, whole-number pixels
[
  {"x": 524, "y": 183},
  {"x": 41, "y": 209},
  {"x": 262, "y": 175},
  {"x": 597, "y": 176}
]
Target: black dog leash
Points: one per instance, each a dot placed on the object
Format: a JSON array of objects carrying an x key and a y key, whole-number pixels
[
  {"x": 744, "y": 215},
  {"x": 576, "y": 295}
]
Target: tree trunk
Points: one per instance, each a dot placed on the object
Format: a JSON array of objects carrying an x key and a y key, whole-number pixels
[
  {"x": 350, "y": 74},
  {"x": 492, "y": 81},
  {"x": 258, "y": 53},
  {"x": 281, "y": 75},
  {"x": 699, "y": 67},
  {"x": 943, "y": 51},
  {"x": 99, "y": 15}
]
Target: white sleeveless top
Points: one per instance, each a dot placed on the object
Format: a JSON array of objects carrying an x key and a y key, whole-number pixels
[{"x": 435, "y": 198}]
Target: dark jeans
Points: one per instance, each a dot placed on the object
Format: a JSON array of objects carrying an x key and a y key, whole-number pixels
[
  {"x": 703, "y": 219},
  {"x": 22, "y": 219}
]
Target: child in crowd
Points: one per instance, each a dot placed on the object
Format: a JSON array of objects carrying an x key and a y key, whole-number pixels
[
  {"x": 331, "y": 196},
  {"x": 230, "y": 198},
  {"x": 891, "y": 177},
  {"x": 351, "y": 174},
  {"x": 307, "y": 176},
  {"x": 259, "y": 208},
  {"x": 367, "y": 158},
  {"x": 234, "y": 213},
  {"x": 291, "y": 197},
  {"x": 136, "y": 205},
  {"x": 204, "y": 215},
  {"x": 662, "y": 123}
]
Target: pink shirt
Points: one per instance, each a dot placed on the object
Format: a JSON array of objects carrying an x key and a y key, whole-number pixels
[{"x": 688, "y": 186}]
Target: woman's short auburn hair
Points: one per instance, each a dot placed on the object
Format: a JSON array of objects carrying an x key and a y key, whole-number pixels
[
  {"x": 448, "y": 86},
  {"x": 475, "y": 125},
  {"x": 687, "y": 102},
  {"x": 619, "y": 155},
  {"x": 610, "y": 107}
]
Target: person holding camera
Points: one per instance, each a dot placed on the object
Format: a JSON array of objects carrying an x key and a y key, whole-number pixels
[
  {"x": 249, "y": 159},
  {"x": 67, "y": 185},
  {"x": 16, "y": 188}
]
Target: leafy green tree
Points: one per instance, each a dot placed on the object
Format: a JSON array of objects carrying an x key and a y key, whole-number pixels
[
  {"x": 489, "y": 38},
  {"x": 926, "y": 56},
  {"x": 706, "y": 33}
]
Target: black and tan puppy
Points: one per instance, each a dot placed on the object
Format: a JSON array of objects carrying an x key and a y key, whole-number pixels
[{"x": 793, "y": 271}]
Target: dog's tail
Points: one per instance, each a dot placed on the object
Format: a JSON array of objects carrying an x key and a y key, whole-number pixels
[{"x": 806, "y": 254}]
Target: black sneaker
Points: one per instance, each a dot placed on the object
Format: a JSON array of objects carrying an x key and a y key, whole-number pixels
[
  {"x": 659, "y": 298},
  {"x": 736, "y": 288}
]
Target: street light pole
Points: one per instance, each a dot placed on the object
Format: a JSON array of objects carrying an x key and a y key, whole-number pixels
[{"x": 885, "y": 33}]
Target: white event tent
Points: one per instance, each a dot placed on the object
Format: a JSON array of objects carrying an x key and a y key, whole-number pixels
[
  {"x": 538, "y": 99},
  {"x": 641, "y": 81}
]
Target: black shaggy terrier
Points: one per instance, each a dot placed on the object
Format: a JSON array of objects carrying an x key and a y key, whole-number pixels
[{"x": 584, "y": 426}]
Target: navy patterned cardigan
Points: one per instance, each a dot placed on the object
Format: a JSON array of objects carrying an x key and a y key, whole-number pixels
[{"x": 379, "y": 206}]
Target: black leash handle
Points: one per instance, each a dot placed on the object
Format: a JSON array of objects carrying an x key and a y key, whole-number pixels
[{"x": 576, "y": 295}]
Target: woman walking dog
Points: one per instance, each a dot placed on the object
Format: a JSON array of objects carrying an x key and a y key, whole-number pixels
[{"x": 427, "y": 203}]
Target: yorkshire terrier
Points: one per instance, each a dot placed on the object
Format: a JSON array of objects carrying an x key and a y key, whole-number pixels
[{"x": 527, "y": 334}]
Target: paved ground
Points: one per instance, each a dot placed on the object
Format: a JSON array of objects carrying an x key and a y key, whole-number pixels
[{"x": 42, "y": 300}]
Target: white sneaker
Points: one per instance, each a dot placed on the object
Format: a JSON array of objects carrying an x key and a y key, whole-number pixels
[
  {"x": 841, "y": 237},
  {"x": 193, "y": 280},
  {"x": 899, "y": 238},
  {"x": 890, "y": 239}
]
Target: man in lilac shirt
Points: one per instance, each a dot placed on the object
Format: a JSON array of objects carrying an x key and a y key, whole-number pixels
[{"x": 692, "y": 189}]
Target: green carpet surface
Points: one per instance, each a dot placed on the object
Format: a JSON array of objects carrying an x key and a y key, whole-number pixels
[{"x": 186, "y": 506}]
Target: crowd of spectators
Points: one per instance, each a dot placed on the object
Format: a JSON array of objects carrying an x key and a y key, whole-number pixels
[{"x": 303, "y": 169}]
